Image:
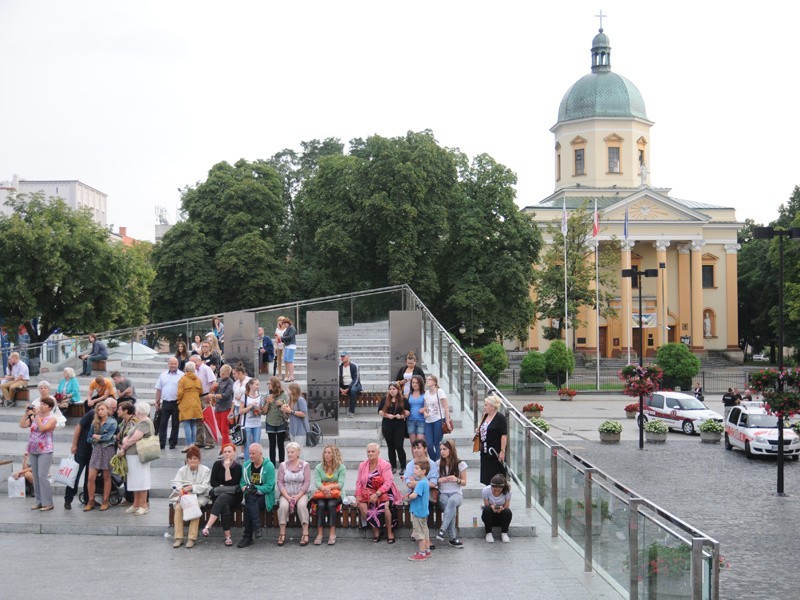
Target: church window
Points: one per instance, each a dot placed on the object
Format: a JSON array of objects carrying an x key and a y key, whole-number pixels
[
  {"x": 613, "y": 160},
  {"x": 708, "y": 276},
  {"x": 580, "y": 168}
]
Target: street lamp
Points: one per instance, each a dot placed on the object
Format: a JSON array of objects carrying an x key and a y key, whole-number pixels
[
  {"x": 463, "y": 329},
  {"x": 637, "y": 274},
  {"x": 767, "y": 233}
]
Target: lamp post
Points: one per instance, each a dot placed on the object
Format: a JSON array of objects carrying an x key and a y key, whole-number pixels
[
  {"x": 637, "y": 274},
  {"x": 463, "y": 329},
  {"x": 767, "y": 233}
]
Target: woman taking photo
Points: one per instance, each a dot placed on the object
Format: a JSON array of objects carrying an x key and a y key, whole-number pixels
[
  {"x": 138, "y": 473},
  {"x": 40, "y": 450},
  {"x": 452, "y": 479},
  {"x": 297, "y": 409},
  {"x": 289, "y": 346},
  {"x": 182, "y": 354},
  {"x": 222, "y": 401},
  {"x": 437, "y": 413},
  {"x": 192, "y": 478},
  {"x": 69, "y": 388},
  {"x": 493, "y": 432},
  {"x": 276, "y": 420},
  {"x": 294, "y": 479},
  {"x": 190, "y": 410},
  {"x": 250, "y": 407},
  {"x": 405, "y": 374},
  {"x": 395, "y": 410},
  {"x": 376, "y": 494},
  {"x": 101, "y": 437},
  {"x": 329, "y": 485},
  {"x": 416, "y": 408},
  {"x": 226, "y": 491}
]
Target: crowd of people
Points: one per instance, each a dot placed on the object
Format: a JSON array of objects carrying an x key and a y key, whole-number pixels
[{"x": 208, "y": 398}]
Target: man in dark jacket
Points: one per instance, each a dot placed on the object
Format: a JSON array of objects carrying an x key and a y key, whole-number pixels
[{"x": 349, "y": 381}]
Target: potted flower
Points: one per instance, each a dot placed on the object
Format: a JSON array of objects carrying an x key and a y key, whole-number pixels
[
  {"x": 610, "y": 432},
  {"x": 711, "y": 432},
  {"x": 566, "y": 393},
  {"x": 541, "y": 424},
  {"x": 656, "y": 432},
  {"x": 640, "y": 381},
  {"x": 631, "y": 410},
  {"x": 533, "y": 410}
]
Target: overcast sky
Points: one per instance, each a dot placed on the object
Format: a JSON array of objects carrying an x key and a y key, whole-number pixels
[{"x": 138, "y": 99}]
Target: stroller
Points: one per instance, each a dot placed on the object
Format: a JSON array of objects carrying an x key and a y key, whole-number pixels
[{"x": 117, "y": 491}]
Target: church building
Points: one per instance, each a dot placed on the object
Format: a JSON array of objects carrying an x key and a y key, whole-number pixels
[{"x": 602, "y": 154}]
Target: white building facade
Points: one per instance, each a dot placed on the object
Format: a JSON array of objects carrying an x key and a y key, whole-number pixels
[{"x": 75, "y": 194}]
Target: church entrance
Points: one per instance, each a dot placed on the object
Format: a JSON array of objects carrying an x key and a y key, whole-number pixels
[{"x": 602, "y": 342}]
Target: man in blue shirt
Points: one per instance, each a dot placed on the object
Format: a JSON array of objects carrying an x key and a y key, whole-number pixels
[{"x": 167, "y": 402}]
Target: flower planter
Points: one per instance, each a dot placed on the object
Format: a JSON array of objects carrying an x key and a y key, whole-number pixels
[
  {"x": 609, "y": 438},
  {"x": 710, "y": 437},
  {"x": 565, "y": 397},
  {"x": 533, "y": 414},
  {"x": 631, "y": 414},
  {"x": 655, "y": 438}
]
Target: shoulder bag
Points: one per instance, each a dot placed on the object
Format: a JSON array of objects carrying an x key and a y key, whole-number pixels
[
  {"x": 476, "y": 441},
  {"x": 445, "y": 427},
  {"x": 148, "y": 448}
]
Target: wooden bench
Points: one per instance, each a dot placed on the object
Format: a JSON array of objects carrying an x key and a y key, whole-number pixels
[
  {"x": 76, "y": 410},
  {"x": 364, "y": 399},
  {"x": 21, "y": 394},
  {"x": 98, "y": 365},
  {"x": 533, "y": 388}
]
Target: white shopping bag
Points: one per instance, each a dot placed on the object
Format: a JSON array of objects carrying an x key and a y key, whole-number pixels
[
  {"x": 191, "y": 507},
  {"x": 67, "y": 471},
  {"x": 16, "y": 487}
]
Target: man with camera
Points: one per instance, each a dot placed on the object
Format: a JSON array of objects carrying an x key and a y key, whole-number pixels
[{"x": 258, "y": 485}]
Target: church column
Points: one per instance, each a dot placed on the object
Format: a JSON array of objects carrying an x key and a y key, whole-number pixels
[
  {"x": 731, "y": 297},
  {"x": 625, "y": 297},
  {"x": 661, "y": 293},
  {"x": 684, "y": 292},
  {"x": 697, "y": 294},
  {"x": 591, "y": 312}
]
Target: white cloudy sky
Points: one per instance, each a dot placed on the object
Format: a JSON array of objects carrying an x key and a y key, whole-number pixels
[{"x": 140, "y": 98}]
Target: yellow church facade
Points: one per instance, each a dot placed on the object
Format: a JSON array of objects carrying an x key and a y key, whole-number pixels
[{"x": 602, "y": 156}]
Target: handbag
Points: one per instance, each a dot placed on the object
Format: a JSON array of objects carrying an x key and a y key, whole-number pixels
[
  {"x": 476, "y": 440},
  {"x": 445, "y": 427},
  {"x": 148, "y": 448},
  {"x": 67, "y": 471},
  {"x": 237, "y": 435},
  {"x": 16, "y": 487},
  {"x": 318, "y": 495},
  {"x": 190, "y": 507},
  {"x": 224, "y": 489}
]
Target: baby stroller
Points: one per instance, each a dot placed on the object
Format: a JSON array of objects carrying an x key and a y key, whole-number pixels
[{"x": 117, "y": 492}]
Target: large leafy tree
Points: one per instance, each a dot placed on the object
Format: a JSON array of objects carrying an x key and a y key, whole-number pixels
[
  {"x": 549, "y": 278},
  {"x": 231, "y": 251},
  {"x": 60, "y": 271}
]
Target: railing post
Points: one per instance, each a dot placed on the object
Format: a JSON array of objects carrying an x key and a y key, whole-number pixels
[
  {"x": 715, "y": 571},
  {"x": 554, "y": 491},
  {"x": 633, "y": 547},
  {"x": 697, "y": 567},
  {"x": 433, "y": 350},
  {"x": 297, "y": 317},
  {"x": 424, "y": 333},
  {"x": 461, "y": 383},
  {"x": 352, "y": 311},
  {"x": 450, "y": 367},
  {"x": 588, "y": 517},
  {"x": 473, "y": 397},
  {"x": 528, "y": 475},
  {"x": 441, "y": 349},
  {"x": 703, "y": 375}
]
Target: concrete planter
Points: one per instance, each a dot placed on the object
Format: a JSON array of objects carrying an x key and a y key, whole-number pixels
[
  {"x": 655, "y": 438},
  {"x": 709, "y": 437},
  {"x": 533, "y": 414},
  {"x": 631, "y": 414},
  {"x": 565, "y": 398},
  {"x": 609, "y": 438}
]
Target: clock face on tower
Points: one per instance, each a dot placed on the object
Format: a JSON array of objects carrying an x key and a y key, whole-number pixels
[{"x": 646, "y": 210}]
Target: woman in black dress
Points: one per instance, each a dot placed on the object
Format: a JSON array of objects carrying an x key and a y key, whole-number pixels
[
  {"x": 395, "y": 410},
  {"x": 226, "y": 476},
  {"x": 493, "y": 432}
]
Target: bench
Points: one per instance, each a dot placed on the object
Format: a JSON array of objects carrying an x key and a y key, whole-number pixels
[
  {"x": 98, "y": 365},
  {"x": 533, "y": 388},
  {"x": 76, "y": 410},
  {"x": 364, "y": 399},
  {"x": 21, "y": 394},
  {"x": 349, "y": 518}
]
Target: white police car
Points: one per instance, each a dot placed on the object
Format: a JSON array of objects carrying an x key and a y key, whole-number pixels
[
  {"x": 749, "y": 427},
  {"x": 678, "y": 411}
]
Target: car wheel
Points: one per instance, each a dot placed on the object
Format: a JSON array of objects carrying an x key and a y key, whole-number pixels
[
  {"x": 728, "y": 445},
  {"x": 796, "y": 457},
  {"x": 642, "y": 419},
  {"x": 747, "y": 452},
  {"x": 688, "y": 428}
]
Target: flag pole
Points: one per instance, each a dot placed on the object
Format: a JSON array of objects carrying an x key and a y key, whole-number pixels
[
  {"x": 629, "y": 317},
  {"x": 595, "y": 230},
  {"x": 566, "y": 313}
]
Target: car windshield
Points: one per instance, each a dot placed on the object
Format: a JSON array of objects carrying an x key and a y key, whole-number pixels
[
  {"x": 692, "y": 404},
  {"x": 761, "y": 421}
]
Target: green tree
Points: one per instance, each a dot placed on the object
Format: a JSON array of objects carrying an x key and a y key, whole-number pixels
[
  {"x": 559, "y": 361},
  {"x": 679, "y": 365},
  {"x": 549, "y": 278},
  {"x": 60, "y": 269},
  {"x": 533, "y": 368}
]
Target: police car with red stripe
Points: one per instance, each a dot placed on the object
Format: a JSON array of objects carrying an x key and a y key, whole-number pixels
[
  {"x": 749, "y": 427},
  {"x": 678, "y": 411}
]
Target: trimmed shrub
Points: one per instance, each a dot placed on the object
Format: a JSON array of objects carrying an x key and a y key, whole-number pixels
[
  {"x": 679, "y": 366},
  {"x": 559, "y": 361},
  {"x": 532, "y": 368},
  {"x": 494, "y": 360}
]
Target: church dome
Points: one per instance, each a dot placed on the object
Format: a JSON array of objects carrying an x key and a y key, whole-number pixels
[{"x": 601, "y": 93}]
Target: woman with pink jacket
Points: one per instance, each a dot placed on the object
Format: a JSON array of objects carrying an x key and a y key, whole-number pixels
[{"x": 377, "y": 493}]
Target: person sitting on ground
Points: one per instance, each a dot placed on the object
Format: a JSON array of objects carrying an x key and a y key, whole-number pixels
[
  {"x": 101, "y": 436},
  {"x": 226, "y": 491},
  {"x": 496, "y": 511},
  {"x": 377, "y": 494},
  {"x": 258, "y": 487},
  {"x": 100, "y": 389},
  {"x": 97, "y": 352},
  {"x": 452, "y": 479},
  {"x": 189, "y": 411},
  {"x": 17, "y": 377},
  {"x": 69, "y": 389},
  {"x": 294, "y": 479},
  {"x": 405, "y": 374},
  {"x": 329, "y": 478},
  {"x": 192, "y": 478},
  {"x": 419, "y": 510},
  {"x": 27, "y": 472},
  {"x": 124, "y": 387}
]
